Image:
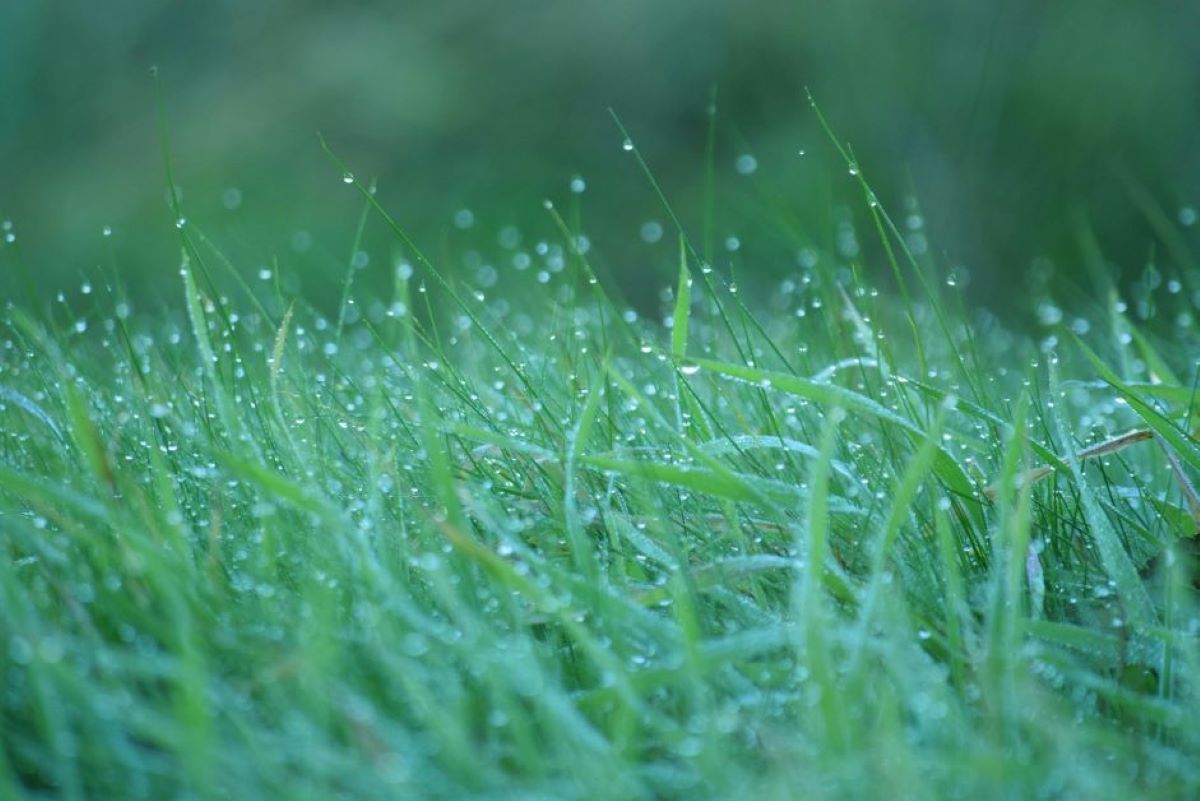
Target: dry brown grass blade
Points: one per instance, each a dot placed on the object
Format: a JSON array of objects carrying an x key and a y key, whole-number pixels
[
  {"x": 1112, "y": 445},
  {"x": 1185, "y": 484}
]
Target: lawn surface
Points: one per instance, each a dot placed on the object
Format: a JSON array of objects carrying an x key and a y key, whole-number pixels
[{"x": 847, "y": 538}]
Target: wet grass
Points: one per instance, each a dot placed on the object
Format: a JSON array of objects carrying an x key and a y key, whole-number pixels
[{"x": 515, "y": 541}]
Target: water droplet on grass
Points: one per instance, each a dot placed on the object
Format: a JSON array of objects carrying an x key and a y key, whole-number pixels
[
  {"x": 651, "y": 232},
  {"x": 463, "y": 219},
  {"x": 1049, "y": 314}
]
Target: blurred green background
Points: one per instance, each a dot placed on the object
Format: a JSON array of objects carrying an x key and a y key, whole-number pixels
[{"x": 1012, "y": 122}]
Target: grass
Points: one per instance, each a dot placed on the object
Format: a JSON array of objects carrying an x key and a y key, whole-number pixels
[{"x": 518, "y": 542}]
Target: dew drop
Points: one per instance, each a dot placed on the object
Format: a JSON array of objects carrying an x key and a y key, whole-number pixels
[
  {"x": 746, "y": 164},
  {"x": 1048, "y": 314},
  {"x": 651, "y": 232}
]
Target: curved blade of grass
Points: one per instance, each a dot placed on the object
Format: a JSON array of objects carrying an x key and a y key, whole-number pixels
[
  {"x": 1184, "y": 446},
  {"x": 493, "y": 439},
  {"x": 944, "y": 465},
  {"x": 24, "y": 403},
  {"x": 741, "y": 442},
  {"x": 980, "y": 413},
  {"x": 729, "y": 485}
]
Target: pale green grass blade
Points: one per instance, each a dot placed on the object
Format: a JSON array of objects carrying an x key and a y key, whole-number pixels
[{"x": 683, "y": 307}]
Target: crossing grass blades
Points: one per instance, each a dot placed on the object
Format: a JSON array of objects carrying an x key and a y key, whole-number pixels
[{"x": 455, "y": 543}]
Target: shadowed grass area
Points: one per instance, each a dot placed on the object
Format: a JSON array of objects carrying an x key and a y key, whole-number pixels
[{"x": 505, "y": 538}]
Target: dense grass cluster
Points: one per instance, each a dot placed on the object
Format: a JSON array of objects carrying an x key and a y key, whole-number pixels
[{"x": 466, "y": 542}]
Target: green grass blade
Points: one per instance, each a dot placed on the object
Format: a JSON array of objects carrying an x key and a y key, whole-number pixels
[{"x": 830, "y": 395}]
